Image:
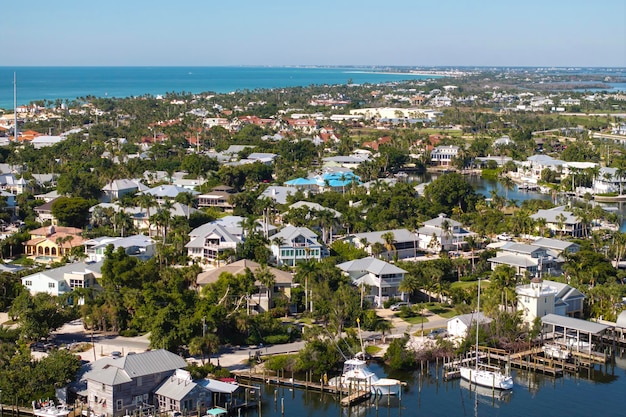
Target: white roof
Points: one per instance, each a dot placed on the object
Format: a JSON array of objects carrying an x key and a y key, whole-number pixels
[{"x": 372, "y": 265}]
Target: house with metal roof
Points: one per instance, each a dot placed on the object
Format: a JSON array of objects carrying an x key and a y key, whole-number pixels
[
  {"x": 405, "y": 243},
  {"x": 292, "y": 245},
  {"x": 139, "y": 246},
  {"x": 459, "y": 326},
  {"x": 62, "y": 280},
  {"x": 117, "y": 189},
  {"x": 209, "y": 243},
  {"x": 442, "y": 233},
  {"x": 381, "y": 277},
  {"x": 540, "y": 298},
  {"x": 561, "y": 221},
  {"x": 180, "y": 393},
  {"x": 118, "y": 386}
]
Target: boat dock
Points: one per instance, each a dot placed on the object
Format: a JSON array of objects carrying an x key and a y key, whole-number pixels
[
  {"x": 348, "y": 396},
  {"x": 532, "y": 359}
]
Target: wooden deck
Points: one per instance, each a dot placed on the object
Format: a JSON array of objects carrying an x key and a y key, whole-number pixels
[{"x": 355, "y": 398}]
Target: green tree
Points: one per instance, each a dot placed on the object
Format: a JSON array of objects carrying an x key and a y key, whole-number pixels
[{"x": 71, "y": 211}]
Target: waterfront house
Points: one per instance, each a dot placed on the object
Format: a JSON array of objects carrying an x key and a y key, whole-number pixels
[
  {"x": 561, "y": 221},
  {"x": 444, "y": 155},
  {"x": 442, "y": 233},
  {"x": 459, "y": 326},
  {"x": 179, "y": 393},
  {"x": 382, "y": 278},
  {"x": 540, "y": 298},
  {"x": 119, "y": 386}
]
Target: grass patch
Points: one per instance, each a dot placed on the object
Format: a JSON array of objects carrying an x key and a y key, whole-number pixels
[
  {"x": 416, "y": 320},
  {"x": 442, "y": 310},
  {"x": 372, "y": 350}
]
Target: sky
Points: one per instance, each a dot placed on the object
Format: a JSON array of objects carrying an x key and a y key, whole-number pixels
[{"x": 546, "y": 33}]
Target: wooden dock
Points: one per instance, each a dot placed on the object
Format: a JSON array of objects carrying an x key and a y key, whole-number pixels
[{"x": 355, "y": 398}]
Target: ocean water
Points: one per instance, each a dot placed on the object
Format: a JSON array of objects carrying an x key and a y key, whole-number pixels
[{"x": 52, "y": 83}]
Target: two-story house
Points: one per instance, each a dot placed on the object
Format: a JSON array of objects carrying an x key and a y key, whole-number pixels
[
  {"x": 540, "y": 298},
  {"x": 208, "y": 242},
  {"x": 442, "y": 233},
  {"x": 117, "y": 386},
  {"x": 524, "y": 258},
  {"x": 381, "y": 277},
  {"x": 62, "y": 280},
  {"x": 296, "y": 244},
  {"x": 51, "y": 243}
]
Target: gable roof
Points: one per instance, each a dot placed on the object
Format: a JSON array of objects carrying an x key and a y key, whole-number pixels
[
  {"x": 290, "y": 233},
  {"x": 372, "y": 265},
  {"x": 239, "y": 267},
  {"x": 468, "y": 319},
  {"x": 114, "y": 371}
]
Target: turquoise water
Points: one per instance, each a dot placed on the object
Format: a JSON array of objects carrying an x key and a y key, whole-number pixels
[
  {"x": 51, "y": 83},
  {"x": 598, "y": 392}
]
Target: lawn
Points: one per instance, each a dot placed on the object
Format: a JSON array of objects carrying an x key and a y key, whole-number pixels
[
  {"x": 440, "y": 309},
  {"x": 416, "y": 320}
]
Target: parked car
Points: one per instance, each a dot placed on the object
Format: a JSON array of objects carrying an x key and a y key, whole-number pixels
[
  {"x": 438, "y": 333},
  {"x": 398, "y": 306}
]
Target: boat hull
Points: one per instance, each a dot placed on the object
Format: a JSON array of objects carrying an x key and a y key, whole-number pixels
[{"x": 487, "y": 378}]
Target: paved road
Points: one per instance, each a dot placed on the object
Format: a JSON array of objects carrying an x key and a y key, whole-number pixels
[{"x": 230, "y": 357}]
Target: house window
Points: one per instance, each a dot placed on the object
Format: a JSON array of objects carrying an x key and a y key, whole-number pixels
[
  {"x": 51, "y": 285},
  {"x": 138, "y": 400},
  {"x": 139, "y": 381},
  {"x": 28, "y": 283},
  {"x": 118, "y": 405},
  {"x": 104, "y": 388}
]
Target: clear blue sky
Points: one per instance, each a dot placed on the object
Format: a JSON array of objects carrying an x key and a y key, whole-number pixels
[{"x": 322, "y": 32}]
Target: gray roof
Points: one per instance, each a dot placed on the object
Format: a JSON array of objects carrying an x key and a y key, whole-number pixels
[
  {"x": 231, "y": 223},
  {"x": 218, "y": 386},
  {"x": 168, "y": 191},
  {"x": 399, "y": 235},
  {"x": 514, "y": 260},
  {"x": 372, "y": 265},
  {"x": 576, "y": 324},
  {"x": 551, "y": 215},
  {"x": 315, "y": 207},
  {"x": 557, "y": 244},
  {"x": 290, "y": 233},
  {"x": 278, "y": 193},
  {"x": 177, "y": 388},
  {"x": 225, "y": 236},
  {"x": 468, "y": 319},
  {"x": 438, "y": 222},
  {"x": 520, "y": 248},
  {"x": 114, "y": 371},
  {"x": 58, "y": 274}
]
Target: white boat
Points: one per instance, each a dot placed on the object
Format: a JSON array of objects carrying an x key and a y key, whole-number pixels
[
  {"x": 482, "y": 374},
  {"x": 357, "y": 375},
  {"x": 556, "y": 352},
  {"x": 49, "y": 409}
]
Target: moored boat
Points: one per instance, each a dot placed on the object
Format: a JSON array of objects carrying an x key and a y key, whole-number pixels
[
  {"x": 48, "y": 408},
  {"x": 483, "y": 374},
  {"x": 357, "y": 375}
]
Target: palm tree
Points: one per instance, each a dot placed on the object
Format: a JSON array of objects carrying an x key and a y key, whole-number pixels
[
  {"x": 205, "y": 345},
  {"x": 507, "y": 183},
  {"x": 306, "y": 271},
  {"x": 410, "y": 284},
  {"x": 267, "y": 279},
  {"x": 472, "y": 244},
  {"x": 389, "y": 242},
  {"x": 186, "y": 199}
]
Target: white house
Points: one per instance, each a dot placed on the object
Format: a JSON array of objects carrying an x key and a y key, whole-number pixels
[
  {"x": 62, "y": 280},
  {"x": 118, "y": 188},
  {"x": 404, "y": 242},
  {"x": 459, "y": 326},
  {"x": 381, "y": 277},
  {"x": 443, "y": 155},
  {"x": 208, "y": 242},
  {"x": 540, "y": 298},
  {"x": 140, "y": 246},
  {"x": 442, "y": 233}
]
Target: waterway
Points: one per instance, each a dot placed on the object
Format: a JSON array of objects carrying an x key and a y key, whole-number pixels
[
  {"x": 485, "y": 186},
  {"x": 598, "y": 392}
]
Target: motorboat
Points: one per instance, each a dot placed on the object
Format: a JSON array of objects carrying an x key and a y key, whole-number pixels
[
  {"x": 556, "y": 351},
  {"x": 357, "y": 375},
  {"x": 48, "y": 408},
  {"x": 483, "y": 374}
]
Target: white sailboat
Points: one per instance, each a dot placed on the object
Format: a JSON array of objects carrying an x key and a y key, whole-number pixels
[{"x": 483, "y": 374}]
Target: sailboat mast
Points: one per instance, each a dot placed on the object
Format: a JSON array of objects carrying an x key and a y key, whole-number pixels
[
  {"x": 477, "y": 318},
  {"x": 15, "y": 105}
]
